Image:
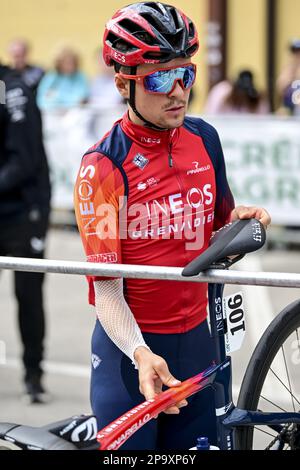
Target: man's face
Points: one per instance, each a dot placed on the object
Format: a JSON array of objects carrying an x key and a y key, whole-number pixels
[
  {"x": 166, "y": 111},
  {"x": 18, "y": 55}
]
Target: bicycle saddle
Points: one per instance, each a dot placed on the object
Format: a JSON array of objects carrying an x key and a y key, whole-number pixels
[
  {"x": 236, "y": 238},
  {"x": 77, "y": 432}
]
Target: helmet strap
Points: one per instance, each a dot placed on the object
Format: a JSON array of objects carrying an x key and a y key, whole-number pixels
[{"x": 133, "y": 106}]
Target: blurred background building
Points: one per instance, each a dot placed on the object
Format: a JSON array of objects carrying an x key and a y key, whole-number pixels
[
  {"x": 234, "y": 35},
  {"x": 248, "y": 64}
]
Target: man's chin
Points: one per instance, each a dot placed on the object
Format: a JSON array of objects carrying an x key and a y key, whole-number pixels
[{"x": 172, "y": 123}]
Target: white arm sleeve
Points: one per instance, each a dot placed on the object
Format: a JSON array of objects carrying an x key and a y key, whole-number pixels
[{"x": 116, "y": 317}]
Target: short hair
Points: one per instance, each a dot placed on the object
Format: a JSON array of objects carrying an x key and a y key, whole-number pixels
[{"x": 62, "y": 54}]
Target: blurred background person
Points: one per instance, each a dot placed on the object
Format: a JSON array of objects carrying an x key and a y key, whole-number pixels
[
  {"x": 24, "y": 213},
  {"x": 64, "y": 87},
  {"x": 104, "y": 98},
  {"x": 288, "y": 82},
  {"x": 239, "y": 96},
  {"x": 18, "y": 51},
  {"x": 103, "y": 93}
]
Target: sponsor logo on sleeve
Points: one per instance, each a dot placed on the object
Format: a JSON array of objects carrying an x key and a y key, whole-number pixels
[{"x": 103, "y": 258}]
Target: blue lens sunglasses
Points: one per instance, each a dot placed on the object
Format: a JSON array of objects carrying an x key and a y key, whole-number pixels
[{"x": 163, "y": 81}]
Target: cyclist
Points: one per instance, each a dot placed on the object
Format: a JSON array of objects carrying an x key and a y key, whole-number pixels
[{"x": 151, "y": 192}]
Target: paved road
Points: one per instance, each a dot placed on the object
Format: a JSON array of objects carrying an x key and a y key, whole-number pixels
[{"x": 70, "y": 321}]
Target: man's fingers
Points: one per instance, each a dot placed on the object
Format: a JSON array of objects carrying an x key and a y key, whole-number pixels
[
  {"x": 182, "y": 404},
  {"x": 173, "y": 410},
  {"x": 152, "y": 379},
  {"x": 147, "y": 388},
  {"x": 245, "y": 212},
  {"x": 165, "y": 375},
  {"x": 176, "y": 408},
  {"x": 265, "y": 218}
]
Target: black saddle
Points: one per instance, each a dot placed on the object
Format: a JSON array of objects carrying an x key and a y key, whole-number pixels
[
  {"x": 75, "y": 433},
  {"x": 235, "y": 239}
]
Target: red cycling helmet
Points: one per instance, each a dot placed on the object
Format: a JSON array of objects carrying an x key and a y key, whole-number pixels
[{"x": 148, "y": 33}]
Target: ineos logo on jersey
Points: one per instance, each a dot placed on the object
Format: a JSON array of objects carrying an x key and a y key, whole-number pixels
[
  {"x": 88, "y": 171},
  {"x": 85, "y": 190},
  {"x": 150, "y": 140},
  {"x": 195, "y": 198}
]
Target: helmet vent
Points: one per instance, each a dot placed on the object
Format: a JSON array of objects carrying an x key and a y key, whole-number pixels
[
  {"x": 174, "y": 39},
  {"x": 191, "y": 30},
  {"x": 119, "y": 44},
  {"x": 191, "y": 50},
  {"x": 154, "y": 5},
  {"x": 175, "y": 18},
  {"x": 151, "y": 20},
  {"x": 135, "y": 30},
  {"x": 161, "y": 56}
]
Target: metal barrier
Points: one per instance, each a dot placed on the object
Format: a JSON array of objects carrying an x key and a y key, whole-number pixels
[{"x": 150, "y": 272}]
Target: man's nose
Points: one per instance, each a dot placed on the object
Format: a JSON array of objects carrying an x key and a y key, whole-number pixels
[{"x": 178, "y": 90}]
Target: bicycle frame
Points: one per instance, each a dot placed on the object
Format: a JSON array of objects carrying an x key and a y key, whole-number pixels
[
  {"x": 218, "y": 376},
  {"x": 228, "y": 417}
]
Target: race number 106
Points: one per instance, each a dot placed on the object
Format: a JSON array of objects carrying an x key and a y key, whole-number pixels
[{"x": 235, "y": 318}]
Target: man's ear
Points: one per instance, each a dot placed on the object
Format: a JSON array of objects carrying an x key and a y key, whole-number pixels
[{"x": 122, "y": 85}]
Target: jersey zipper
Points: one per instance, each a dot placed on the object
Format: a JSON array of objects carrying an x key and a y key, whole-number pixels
[
  {"x": 172, "y": 164},
  {"x": 170, "y": 158}
]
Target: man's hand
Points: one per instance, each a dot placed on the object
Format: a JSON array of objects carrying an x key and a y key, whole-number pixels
[
  {"x": 153, "y": 374},
  {"x": 243, "y": 212}
]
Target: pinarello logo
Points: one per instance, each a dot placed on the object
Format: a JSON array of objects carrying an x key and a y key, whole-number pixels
[{"x": 197, "y": 170}]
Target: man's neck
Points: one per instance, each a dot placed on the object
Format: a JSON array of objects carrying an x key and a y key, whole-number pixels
[{"x": 136, "y": 120}]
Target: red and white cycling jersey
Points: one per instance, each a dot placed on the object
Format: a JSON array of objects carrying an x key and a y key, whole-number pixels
[{"x": 153, "y": 198}]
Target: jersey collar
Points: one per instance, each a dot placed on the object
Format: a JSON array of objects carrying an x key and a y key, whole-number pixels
[{"x": 147, "y": 137}]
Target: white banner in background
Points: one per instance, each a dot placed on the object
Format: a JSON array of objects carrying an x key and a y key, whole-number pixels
[
  {"x": 67, "y": 137},
  {"x": 262, "y": 156}
]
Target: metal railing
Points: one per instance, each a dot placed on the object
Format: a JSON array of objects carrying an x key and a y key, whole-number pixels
[{"x": 150, "y": 272}]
